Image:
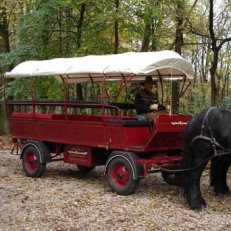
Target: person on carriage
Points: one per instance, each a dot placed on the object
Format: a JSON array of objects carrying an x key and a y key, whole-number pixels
[{"x": 146, "y": 102}]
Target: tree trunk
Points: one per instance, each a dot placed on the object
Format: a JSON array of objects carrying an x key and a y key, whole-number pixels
[
  {"x": 216, "y": 47},
  {"x": 146, "y": 38},
  {"x": 4, "y": 47},
  {"x": 213, "y": 68},
  {"x": 79, "y": 90},
  {"x": 116, "y": 49},
  {"x": 179, "y": 40},
  {"x": 80, "y": 25}
]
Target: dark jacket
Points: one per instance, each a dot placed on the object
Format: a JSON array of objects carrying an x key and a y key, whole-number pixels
[{"x": 143, "y": 100}]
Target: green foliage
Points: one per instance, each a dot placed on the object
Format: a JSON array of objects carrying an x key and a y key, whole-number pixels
[
  {"x": 46, "y": 29},
  {"x": 227, "y": 103},
  {"x": 23, "y": 52},
  {"x": 45, "y": 88},
  {"x": 48, "y": 88},
  {"x": 19, "y": 88}
]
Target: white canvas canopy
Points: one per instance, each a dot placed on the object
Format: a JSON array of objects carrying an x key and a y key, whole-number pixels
[{"x": 164, "y": 64}]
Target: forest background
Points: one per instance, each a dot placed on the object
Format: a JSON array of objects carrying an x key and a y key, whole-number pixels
[{"x": 199, "y": 30}]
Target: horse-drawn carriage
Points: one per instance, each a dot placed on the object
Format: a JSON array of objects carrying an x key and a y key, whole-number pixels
[{"x": 104, "y": 132}]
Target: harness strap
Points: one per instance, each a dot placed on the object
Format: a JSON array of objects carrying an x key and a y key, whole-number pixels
[
  {"x": 192, "y": 168},
  {"x": 201, "y": 136},
  {"x": 205, "y": 119},
  {"x": 211, "y": 139}
]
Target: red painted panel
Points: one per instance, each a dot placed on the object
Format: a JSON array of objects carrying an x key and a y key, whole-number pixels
[
  {"x": 115, "y": 136},
  {"x": 23, "y": 128},
  {"x": 88, "y": 133},
  {"x": 53, "y": 130},
  {"x": 136, "y": 136}
]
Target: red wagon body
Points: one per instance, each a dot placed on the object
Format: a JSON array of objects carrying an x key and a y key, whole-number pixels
[{"x": 128, "y": 148}]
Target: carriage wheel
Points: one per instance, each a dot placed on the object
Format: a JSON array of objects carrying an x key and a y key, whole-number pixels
[
  {"x": 120, "y": 176},
  {"x": 172, "y": 178},
  {"x": 31, "y": 162},
  {"x": 84, "y": 168}
]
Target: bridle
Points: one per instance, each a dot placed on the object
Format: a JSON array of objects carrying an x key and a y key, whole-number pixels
[{"x": 211, "y": 139}]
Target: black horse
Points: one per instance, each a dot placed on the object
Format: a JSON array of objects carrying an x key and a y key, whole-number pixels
[{"x": 207, "y": 136}]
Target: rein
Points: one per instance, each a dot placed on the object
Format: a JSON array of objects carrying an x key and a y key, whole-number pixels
[{"x": 192, "y": 168}]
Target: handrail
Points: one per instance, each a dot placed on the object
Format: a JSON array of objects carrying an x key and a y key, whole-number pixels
[
  {"x": 71, "y": 103},
  {"x": 75, "y": 104}
]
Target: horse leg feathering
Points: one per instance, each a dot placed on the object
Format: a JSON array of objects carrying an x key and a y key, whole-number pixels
[
  {"x": 218, "y": 174},
  {"x": 191, "y": 181}
]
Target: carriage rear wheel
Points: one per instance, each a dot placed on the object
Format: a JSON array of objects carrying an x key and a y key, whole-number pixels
[
  {"x": 31, "y": 162},
  {"x": 172, "y": 178},
  {"x": 120, "y": 176}
]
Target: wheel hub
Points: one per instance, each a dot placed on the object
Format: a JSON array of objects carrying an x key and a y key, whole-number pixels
[{"x": 119, "y": 175}]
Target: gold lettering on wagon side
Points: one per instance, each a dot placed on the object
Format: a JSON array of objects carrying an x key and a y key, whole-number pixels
[
  {"x": 179, "y": 123},
  {"x": 75, "y": 152}
]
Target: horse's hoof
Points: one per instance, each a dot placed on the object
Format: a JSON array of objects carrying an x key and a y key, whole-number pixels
[
  {"x": 202, "y": 201},
  {"x": 220, "y": 192},
  {"x": 226, "y": 188},
  {"x": 197, "y": 208},
  {"x": 197, "y": 205},
  {"x": 219, "y": 195},
  {"x": 226, "y": 191}
]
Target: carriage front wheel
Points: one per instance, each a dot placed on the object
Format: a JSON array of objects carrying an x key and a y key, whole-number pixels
[
  {"x": 120, "y": 176},
  {"x": 31, "y": 162}
]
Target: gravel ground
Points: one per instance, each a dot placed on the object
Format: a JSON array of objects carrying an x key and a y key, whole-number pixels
[{"x": 66, "y": 199}]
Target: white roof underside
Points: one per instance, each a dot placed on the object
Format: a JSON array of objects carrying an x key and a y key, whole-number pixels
[{"x": 164, "y": 64}]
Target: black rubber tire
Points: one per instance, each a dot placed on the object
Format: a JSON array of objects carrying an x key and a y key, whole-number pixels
[
  {"x": 85, "y": 168},
  {"x": 120, "y": 176},
  {"x": 172, "y": 178},
  {"x": 31, "y": 162}
]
